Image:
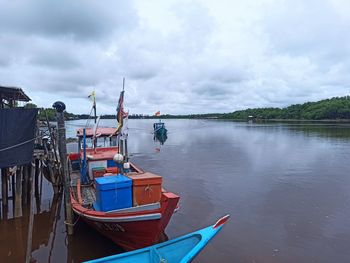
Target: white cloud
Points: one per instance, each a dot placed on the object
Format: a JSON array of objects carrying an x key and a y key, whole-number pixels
[{"x": 177, "y": 56}]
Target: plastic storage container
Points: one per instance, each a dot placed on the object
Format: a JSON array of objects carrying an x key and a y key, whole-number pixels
[
  {"x": 94, "y": 164},
  {"x": 113, "y": 192},
  {"x": 147, "y": 188},
  {"x": 98, "y": 172},
  {"x": 111, "y": 163}
]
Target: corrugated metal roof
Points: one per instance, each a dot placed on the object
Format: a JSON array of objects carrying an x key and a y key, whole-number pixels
[
  {"x": 13, "y": 93},
  {"x": 103, "y": 131}
]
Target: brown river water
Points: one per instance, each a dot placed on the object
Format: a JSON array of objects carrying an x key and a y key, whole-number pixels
[{"x": 285, "y": 185}]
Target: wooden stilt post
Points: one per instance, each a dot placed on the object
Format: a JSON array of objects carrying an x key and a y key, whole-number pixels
[
  {"x": 41, "y": 179},
  {"x": 60, "y": 107},
  {"x": 25, "y": 185},
  {"x": 18, "y": 198},
  {"x": 13, "y": 188},
  {"x": 36, "y": 183},
  {"x": 4, "y": 185},
  {"x": 13, "y": 183},
  {"x": 31, "y": 214}
]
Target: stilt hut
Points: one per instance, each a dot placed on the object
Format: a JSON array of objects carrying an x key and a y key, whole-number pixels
[
  {"x": 16, "y": 134},
  {"x": 10, "y": 96}
]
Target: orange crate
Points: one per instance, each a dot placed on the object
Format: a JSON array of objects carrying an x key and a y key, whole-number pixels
[
  {"x": 113, "y": 170},
  {"x": 98, "y": 173},
  {"x": 147, "y": 188}
]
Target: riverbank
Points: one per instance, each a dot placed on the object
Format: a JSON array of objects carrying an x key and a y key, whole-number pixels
[{"x": 294, "y": 120}]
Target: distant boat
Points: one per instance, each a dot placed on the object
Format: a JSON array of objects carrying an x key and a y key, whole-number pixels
[
  {"x": 159, "y": 128},
  {"x": 179, "y": 250}
]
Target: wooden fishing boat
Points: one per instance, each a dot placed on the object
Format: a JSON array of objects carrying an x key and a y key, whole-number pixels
[
  {"x": 118, "y": 199},
  {"x": 179, "y": 250},
  {"x": 131, "y": 228},
  {"x": 159, "y": 129}
]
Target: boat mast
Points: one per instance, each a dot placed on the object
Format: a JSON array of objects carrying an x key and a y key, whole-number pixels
[
  {"x": 123, "y": 141},
  {"x": 94, "y": 107},
  {"x": 95, "y": 121},
  {"x": 122, "y": 136}
]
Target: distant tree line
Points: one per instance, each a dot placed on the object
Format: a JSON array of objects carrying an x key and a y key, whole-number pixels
[
  {"x": 329, "y": 109},
  {"x": 50, "y": 113}
]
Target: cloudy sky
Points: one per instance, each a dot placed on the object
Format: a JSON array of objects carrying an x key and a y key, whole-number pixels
[{"x": 177, "y": 56}]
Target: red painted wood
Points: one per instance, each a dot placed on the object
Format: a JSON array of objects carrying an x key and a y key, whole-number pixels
[
  {"x": 221, "y": 221},
  {"x": 106, "y": 153},
  {"x": 135, "y": 234}
]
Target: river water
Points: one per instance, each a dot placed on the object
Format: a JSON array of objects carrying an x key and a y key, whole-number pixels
[{"x": 285, "y": 185}]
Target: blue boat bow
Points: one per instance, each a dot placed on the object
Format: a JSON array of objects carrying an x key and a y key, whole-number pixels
[{"x": 179, "y": 250}]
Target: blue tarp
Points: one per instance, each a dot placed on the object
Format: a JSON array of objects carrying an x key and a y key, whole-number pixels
[{"x": 17, "y": 133}]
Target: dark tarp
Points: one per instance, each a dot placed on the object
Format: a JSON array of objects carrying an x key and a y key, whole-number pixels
[{"x": 17, "y": 126}]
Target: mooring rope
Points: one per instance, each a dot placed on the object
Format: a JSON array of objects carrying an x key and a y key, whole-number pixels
[
  {"x": 19, "y": 144},
  {"x": 88, "y": 120}
]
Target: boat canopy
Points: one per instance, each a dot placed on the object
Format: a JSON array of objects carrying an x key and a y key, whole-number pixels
[
  {"x": 100, "y": 132},
  {"x": 158, "y": 125}
]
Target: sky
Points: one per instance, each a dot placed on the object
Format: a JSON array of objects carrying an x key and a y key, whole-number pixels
[{"x": 177, "y": 56}]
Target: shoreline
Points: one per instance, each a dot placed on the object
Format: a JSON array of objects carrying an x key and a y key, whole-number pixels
[{"x": 240, "y": 120}]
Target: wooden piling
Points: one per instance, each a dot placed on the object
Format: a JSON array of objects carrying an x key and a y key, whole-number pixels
[
  {"x": 31, "y": 214},
  {"x": 41, "y": 179},
  {"x": 60, "y": 107},
  {"x": 25, "y": 184},
  {"x": 18, "y": 191},
  {"x": 4, "y": 187},
  {"x": 13, "y": 191},
  {"x": 36, "y": 183}
]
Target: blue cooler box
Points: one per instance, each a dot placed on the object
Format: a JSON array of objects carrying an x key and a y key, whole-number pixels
[
  {"x": 113, "y": 192},
  {"x": 111, "y": 163}
]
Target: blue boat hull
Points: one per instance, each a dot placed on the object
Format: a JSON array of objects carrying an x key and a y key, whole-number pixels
[
  {"x": 161, "y": 131},
  {"x": 179, "y": 250}
]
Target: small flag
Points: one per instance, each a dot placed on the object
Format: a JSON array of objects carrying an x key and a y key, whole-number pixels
[
  {"x": 93, "y": 97},
  {"x": 121, "y": 114},
  {"x": 157, "y": 113}
]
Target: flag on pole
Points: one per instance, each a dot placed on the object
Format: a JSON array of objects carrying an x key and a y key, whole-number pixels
[
  {"x": 121, "y": 114},
  {"x": 92, "y": 96},
  {"x": 157, "y": 113}
]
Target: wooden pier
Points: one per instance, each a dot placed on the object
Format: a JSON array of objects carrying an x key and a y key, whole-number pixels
[{"x": 21, "y": 185}]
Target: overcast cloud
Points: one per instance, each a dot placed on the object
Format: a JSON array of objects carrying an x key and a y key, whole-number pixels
[{"x": 177, "y": 56}]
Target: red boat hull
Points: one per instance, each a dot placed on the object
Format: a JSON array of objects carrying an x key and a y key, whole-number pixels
[
  {"x": 131, "y": 230},
  {"x": 132, "y": 235}
]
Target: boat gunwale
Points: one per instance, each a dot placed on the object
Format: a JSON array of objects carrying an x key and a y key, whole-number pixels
[
  {"x": 79, "y": 208},
  {"x": 118, "y": 218}
]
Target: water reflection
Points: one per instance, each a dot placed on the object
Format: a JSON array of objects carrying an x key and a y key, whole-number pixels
[
  {"x": 320, "y": 129},
  {"x": 161, "y": 138}
]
